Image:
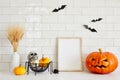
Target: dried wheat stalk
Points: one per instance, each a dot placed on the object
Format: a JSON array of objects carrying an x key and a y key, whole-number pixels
[{"x": 14, "y": 35}]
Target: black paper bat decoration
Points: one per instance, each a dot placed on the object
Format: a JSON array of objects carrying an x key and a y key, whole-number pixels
[
  {"x": 62, "y": 7},
  {"x": 89, "y": 28},
  {"x": 95, "y": 20}
]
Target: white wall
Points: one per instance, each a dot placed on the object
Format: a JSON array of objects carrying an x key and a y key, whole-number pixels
[{"x": 42, "y": 26}]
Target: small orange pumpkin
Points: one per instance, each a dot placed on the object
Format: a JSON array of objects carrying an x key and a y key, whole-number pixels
[
  {"x": 44, "y": 61},
  {"x": 20, "y": 70},
  {"x": 101, "y": 62}
]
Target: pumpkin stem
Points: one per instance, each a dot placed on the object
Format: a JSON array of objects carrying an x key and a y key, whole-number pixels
[
  {"x": 42, "y": 56},
  {"x": 100, "y": 50},
  {"x": 20, "y": 65}
]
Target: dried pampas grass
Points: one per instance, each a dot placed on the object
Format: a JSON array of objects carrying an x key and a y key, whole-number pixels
[{"x": 14, "y": 35}]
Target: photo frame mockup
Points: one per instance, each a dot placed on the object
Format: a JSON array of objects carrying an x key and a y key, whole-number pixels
[{"x": 69, "y": 53}]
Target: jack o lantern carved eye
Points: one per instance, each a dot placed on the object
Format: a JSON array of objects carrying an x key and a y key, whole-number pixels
[
  {"x": 105, "y": 60},
  {"x": 93, "y": 59}
]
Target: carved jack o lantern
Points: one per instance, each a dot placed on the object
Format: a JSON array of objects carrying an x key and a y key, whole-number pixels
[{"x": 101, "y": 62}]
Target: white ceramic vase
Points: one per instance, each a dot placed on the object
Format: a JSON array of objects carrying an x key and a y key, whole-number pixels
[{"x": 15, "y": 61}]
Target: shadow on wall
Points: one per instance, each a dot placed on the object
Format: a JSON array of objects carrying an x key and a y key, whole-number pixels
[{"x": 83, "y": 60}]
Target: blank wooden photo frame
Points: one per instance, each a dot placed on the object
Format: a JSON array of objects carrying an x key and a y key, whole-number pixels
[{"x": 69, "y": 54}]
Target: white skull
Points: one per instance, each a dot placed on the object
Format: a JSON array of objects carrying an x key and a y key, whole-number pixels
[{"x": 32, "y": 56}]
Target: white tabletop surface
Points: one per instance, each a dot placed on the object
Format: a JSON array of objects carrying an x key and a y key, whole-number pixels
[{"x": 4, "y": 75}]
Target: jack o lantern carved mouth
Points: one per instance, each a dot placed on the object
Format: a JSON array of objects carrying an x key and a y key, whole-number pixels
[{"x": 102, "y": 66}]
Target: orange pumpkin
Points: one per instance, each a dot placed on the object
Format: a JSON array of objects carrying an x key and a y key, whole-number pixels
[
  {"x": 20, "y": 70},
  {"x": 44, "y": 61},
  {"x": 101, "y": 62}
]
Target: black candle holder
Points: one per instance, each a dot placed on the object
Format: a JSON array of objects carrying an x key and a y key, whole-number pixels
[
  {"x": 34, "y": 64},
  {"x": 36, "y": 68}
]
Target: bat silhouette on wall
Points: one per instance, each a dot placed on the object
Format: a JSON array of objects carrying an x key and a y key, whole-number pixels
[
  {"x": 89, "y": 28},
  {"x": 95, "y": 20},
  {"x": 59, "y": 8}
]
